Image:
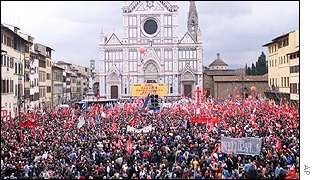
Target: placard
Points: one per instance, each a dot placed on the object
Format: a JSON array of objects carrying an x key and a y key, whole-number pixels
[{"x": 246, "y": 146}]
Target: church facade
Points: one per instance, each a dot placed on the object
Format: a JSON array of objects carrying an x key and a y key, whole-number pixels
[{"x": 151, "y": 51}]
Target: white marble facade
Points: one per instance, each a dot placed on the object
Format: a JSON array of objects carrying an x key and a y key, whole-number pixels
[{"x": 167, "y": 58}]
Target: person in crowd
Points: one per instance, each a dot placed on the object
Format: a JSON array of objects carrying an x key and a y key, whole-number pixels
[{"x": 94, "y": 143}]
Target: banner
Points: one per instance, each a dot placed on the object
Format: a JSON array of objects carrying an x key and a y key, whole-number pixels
[
  {"x": 144, "y": 130},
  {"x": 246, "y": 146},
  {"x": 144, "y": 89},
  {"x": 200, "y": 120}
]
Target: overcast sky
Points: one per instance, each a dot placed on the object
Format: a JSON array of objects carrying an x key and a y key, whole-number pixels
[{"x": 237, "y": 30}]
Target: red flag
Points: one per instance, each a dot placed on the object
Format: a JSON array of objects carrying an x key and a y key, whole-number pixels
[
  {"x": 91, "y": 121},
  {"x": 291, "y": 173},
  {"x": 278, "y": 125},
  {"x": 114, "y": 127},
  {"x": 119, "y": 141},
  {"x": 34, "y": 132},
  {"x": 41, "y": 134},
  {"x": 199, "y": 120},
  {"x": 4, "y": 115},
  {"x": 98, "y": 97},
  {"x": 206, "y": 137},
  {"x": 133, "y": 121},
  {"x": 21, "y": 136},
  {"x": 216, "y": 119},
  {"x": 129, "y": 146},
  {"x": 214, "y": 151},
  {"x": 278, "y": 144},
  {"x": 253, "y": 118}
]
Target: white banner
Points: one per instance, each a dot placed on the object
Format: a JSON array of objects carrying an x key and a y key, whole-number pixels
[
  {"x": 144, "y": 130},
  {"x": 247, "y": 145}
]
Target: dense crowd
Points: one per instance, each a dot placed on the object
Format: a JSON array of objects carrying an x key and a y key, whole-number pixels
[{"x": 94, "y": 143}]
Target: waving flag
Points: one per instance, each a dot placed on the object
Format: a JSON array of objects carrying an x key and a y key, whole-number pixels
[
  {"x": 34, "y": 132},
  {"x": 91, "y": 122},
  {"x": 41, "y": 134},
  {"x": 129, "y": 146},
  {"x": 133, "y": 121},
  {"x": 278, "y": 144},
  {"x": 114, "y": 127},
  {"x": 4, "y": 115},
  {"x": 21, "y": 136},
  {"x": 214, "y": 151},
  {"x": 97, "y": 120},
  {"x": 145, "y": 103},
  {"x": 81, "y": 122}
]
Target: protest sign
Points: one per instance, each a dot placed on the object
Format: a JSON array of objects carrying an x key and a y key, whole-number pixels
[
  {"x": 144, "y": 130},
  {"x": 246, "y": 145}
]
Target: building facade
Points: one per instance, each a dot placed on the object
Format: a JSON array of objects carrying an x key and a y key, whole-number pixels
[
  {"x": 27, "y": 83},
  {"x": 12, "y": 70},
  {"x": 43, "y": 55},
  {"x": 34, "y": 80},
  {"x": 75, "y": 79},
  {"x": 152, "y": 51},
  {"x": 222, "y": 82},
  {"x": 283, "y": 67},
  {"x": 57, "y": 87}
]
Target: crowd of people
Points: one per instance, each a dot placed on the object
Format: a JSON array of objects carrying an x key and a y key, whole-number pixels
[{"x": 94, "y": 142}]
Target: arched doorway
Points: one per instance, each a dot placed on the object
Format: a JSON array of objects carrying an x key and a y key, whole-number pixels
[
  {"x": 114, "y": 92},
  {"x": 151, "y": 72},
  {"x": 113, "y": 85},
  {"x": 187, "y": 81}
]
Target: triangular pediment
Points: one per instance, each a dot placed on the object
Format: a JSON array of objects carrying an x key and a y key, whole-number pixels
[
  {"x": 187, "y": 39},
  {"x": 188, "y": 75},
  {"x": 114, "y": 70},
  {"x": 150, "y": 6},
  {"x": 150, "y": 54},
  {"x": 113, "y": 40}
]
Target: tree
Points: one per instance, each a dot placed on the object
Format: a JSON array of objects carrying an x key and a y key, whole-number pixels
[
  {"x": 253, "y": 70},
  {"x": 247, "y": 69},
  {"x": 260, "y": 66}
]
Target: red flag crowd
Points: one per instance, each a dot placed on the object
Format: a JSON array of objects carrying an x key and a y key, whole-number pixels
[{"x": 181, "y": 141}]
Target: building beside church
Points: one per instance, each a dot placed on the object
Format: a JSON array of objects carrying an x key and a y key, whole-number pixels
[
  {"x": 220, "y": 82},
  {"x": 284, "y": 67},
  {"x": 167, "y": 57},
  {"x": 13, "y": 50}
]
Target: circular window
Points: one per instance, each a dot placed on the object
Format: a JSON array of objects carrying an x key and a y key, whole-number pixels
[{"x": 150, "y": 26}]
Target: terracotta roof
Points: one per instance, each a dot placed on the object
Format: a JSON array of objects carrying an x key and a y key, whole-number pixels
[
  {"x": 218, "y": 62},
  {"x": 277, "y": 38},
  {"x": 239, "y": 78}
]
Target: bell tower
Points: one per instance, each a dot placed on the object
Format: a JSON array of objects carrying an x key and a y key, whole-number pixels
[{"x": 192, "y": 22}]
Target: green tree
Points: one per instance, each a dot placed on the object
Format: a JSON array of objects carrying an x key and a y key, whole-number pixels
[
  {"x": 253, "y": 70},
  {"x": 262, "y": 63},
  {"x": 247, "y": 70}
]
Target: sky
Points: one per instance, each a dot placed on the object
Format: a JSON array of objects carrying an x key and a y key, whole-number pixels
[{"x": 237, "y": 30}]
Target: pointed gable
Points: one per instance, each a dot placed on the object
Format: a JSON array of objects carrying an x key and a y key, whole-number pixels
[
  {"x": 156, "y": 6},
  {"x": 150, "y": 54},
  {"x": 150, "y": 5},
  {"x": 113, "y": 40},
  {"x": 187, "y": 39}
]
